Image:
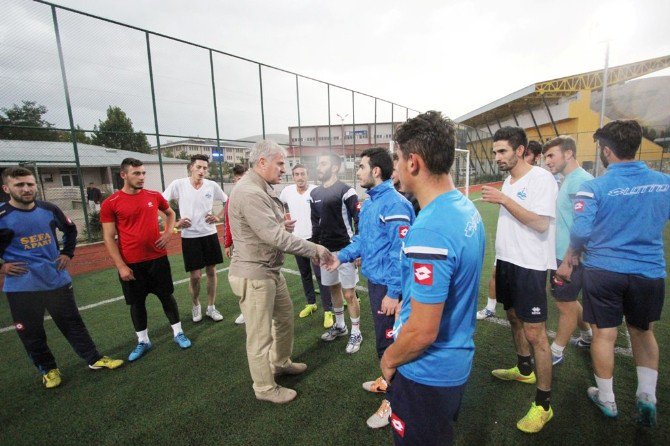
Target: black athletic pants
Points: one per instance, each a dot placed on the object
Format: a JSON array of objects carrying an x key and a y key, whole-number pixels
[
  {"x": 383, "y": 323},
  {"x": 305, "y": 266},
  {"x": 27, "y": 310}
]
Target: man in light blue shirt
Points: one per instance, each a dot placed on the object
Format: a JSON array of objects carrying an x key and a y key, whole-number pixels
[
  {"x": 430, "y": 360},
  {"x": 560, "y": 155},
  {"x": 619, "y": 222}
]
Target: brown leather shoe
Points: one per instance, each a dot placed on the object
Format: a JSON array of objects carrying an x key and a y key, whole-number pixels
[
  {"x": 278, "y": 395},
  {"x": 296, "y": 368}
]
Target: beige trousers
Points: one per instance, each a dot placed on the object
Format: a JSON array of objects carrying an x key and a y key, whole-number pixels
[{"x": 268, "y": 312}]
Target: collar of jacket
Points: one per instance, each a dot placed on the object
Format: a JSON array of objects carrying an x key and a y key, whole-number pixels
[
  {"x": 260, "y": 182},
  {"x": 380, "y": 189}
]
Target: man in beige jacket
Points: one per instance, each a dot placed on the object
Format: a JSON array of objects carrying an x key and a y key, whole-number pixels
[{"x": 261, "y": 235}]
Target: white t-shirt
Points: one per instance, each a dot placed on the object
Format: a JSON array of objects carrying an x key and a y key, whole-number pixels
[
  {"x": 298, "y": 205},
  {"x": 517, "y": 243},
  {"x": 195, "y": 204}
]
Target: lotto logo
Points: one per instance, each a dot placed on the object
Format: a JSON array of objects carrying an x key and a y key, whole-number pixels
[
  {"x": 150, "y": 204},
  {"x": 579, "y": 206},
  {"x": 536, "y": 311},
  {"x": 423, "y": 273},
  {"x": 358, "y": 206},
  {"x": 398, "y": 425},
  {"x": 402, "y": 231},
  {"x": 389, "y": 333},
  {"x": 19, "y": 326}
]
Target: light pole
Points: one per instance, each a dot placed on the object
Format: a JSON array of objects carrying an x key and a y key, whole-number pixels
[
  {"x": 342, "y": 118},
  {"x": 602, "y": 103}
]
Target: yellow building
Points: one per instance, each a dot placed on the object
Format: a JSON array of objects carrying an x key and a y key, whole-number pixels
[{"x": 566, "y": 106}]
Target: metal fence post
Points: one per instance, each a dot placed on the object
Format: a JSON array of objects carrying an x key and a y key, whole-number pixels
[
  {"x": 353, "y": 126},
  {"x": 260, "y": 83},
  {"x": 330, "y": 135},
  {"x": 297, "y": 96},
  {"x": 153, "y": 103},
  {"x": 73, "y": 132},
  {"x": 216, "y": 117}
]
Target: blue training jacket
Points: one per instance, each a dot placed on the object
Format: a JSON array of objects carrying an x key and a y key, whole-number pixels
[
  {"x": 383, "y": 222},
  {"x": 619, "y": 220}
]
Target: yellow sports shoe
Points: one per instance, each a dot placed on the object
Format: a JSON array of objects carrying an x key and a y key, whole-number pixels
[
  {"x": 514, "y": 374},
  {"x": 308, "y": 310},
  {"x": 106, "y": 363},
  {"x": 51, "y": 379},
  {"x": 535, "y": 419},
  {"x": 328, "y": 319}
]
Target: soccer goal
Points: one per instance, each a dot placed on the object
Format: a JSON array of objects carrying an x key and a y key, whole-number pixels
[{"x": 460, "y": 171}]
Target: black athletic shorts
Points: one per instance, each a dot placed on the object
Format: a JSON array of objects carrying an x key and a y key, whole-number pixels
[
  {"x": 608, "y": 296},
  {"x": 423, "y": 415},
  {"x": 523, "y": 289},
  {"x": 153, "y": 276},
  {"x": 567, "y": 291},
  {"x": 200, "y": 252}
]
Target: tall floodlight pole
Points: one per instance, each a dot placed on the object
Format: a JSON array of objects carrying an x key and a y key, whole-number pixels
[
  {"x": 602, "y": 103},
  {"x": 342, "y": 118}
]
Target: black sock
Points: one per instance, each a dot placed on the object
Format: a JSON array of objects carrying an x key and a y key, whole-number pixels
[
  {"x": 543, "y": 398},
  {"x": 524, "y": 365}
]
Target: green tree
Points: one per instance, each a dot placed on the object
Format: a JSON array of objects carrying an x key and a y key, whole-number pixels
[
  {"x": 26, "y": 122},
  {"x": 117, "y": 132}
]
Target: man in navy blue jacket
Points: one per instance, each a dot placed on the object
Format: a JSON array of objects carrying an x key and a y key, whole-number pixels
[
  {"x": 618, "y": 226},
  {"x": 36, "y": 278},
  {"x": 384, "y": 220}
]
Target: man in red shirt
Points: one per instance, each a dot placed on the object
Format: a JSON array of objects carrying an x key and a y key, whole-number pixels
[{"x": 140, "y": 254}]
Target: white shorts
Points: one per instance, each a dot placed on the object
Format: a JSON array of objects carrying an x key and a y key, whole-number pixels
[{"x": 346, "y": 274}]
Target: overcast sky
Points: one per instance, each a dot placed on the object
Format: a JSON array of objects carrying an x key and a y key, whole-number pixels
[{"x": 453, "y": 56}]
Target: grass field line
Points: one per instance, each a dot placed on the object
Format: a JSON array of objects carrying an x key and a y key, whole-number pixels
[{"x": 618, "y": 350}]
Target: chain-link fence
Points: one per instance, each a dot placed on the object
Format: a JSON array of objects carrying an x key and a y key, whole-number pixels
[{"x": 79, "y": 93}]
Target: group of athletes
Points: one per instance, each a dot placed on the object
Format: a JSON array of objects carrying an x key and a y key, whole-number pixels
[{"x": 419, "y": 242}]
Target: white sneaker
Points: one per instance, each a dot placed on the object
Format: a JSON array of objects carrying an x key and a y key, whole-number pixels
[
  {"x": 240, "y": 319},
  {"x": 214, "y": 314},
  {"x": 380, "y": 418},
  {"x": 354, "y": 343},
  {"x": 485, "y": 313},
  {"x": 196, "y": 312}
]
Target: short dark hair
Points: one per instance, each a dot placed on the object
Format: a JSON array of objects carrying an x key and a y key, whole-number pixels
[
  {"x": 563, "y": 142},
  {"x": 238, "y": 170},
  {"x": 533, "y": 147},
  {"x": 198, "y": 157},
  {"x": 380, "y": 157},
  {"x": 334, "y": 159},
  {"x": 432, "y": 137},
  {"x": 16, "y": 172},
  {"x": 515, "y": 136},
  {"x": 298, "y": 166},
  {"x": 127, "y": 162},
  {"x": 622, "y": 136}
]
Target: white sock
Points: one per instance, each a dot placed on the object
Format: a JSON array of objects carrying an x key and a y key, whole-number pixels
[
  {"x": 210, "y": 308},
  {"x": 605, "y": 390},
  {"x": 196, "y": 306},
  {"x": 646, "y": 382},
  {"x": 587, "y": 335},
  {"x": 355, "y": 325},
  {"x": 143, "y": 336},
  {"x": 491, "y": 304},
  {"x": 556, "y": 349},
  {"x": 176, "y": 328},
  {"x": 339, "y": 316}
]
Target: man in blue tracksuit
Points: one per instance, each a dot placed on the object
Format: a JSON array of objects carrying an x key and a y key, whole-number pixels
[
  {"x": 618, "y": 225},
  {"x": 384, "y": 220}
]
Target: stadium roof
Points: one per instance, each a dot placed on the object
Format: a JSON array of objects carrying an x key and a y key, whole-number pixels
[
  {"x": 62, "y": 153},
  {"x": 550, "y": 91}
]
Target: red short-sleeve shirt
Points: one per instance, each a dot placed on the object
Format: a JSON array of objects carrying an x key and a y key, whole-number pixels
[{"x": 136, "y": 219}]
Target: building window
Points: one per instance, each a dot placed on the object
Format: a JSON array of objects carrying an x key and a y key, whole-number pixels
[{"x": 69, "y": 178}]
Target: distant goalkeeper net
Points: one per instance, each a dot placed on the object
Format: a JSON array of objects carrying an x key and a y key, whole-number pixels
[{"x": 460, "y": 171}]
